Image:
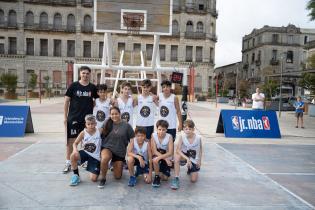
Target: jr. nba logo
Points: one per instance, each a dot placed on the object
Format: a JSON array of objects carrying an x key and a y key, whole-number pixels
[
  {"x": 1, "y": 120},
  {"x": 266, "y": 122},
  {"x": 235, "y": 123}
]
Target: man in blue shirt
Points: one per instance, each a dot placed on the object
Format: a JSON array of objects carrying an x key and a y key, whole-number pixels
[{"x": 299, "y": 108}]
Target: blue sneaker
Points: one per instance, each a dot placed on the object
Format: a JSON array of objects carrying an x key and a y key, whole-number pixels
[
  {"x": 175, "y": 183},
  {"x": 75, "y": 180},
  {"x": 132, "y": 181}
]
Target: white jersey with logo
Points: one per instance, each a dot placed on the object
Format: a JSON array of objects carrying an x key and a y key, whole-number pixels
[
  {"x": 195, "y": 146},
  {"x": 167, "y": 110},
  {"x": 145, "y": 113},
  {"x": 126, "y": 110},
  {"x": 164, "y": 144},
  {"x": 92, "y": 144},
  {"x": 143, "y": 151},
  {"x": 101, "y": 111}
]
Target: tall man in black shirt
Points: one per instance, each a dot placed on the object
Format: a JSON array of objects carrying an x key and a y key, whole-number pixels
[{"x": 79, "y": 101}]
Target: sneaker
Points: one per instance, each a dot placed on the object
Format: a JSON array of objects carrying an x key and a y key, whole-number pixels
[
  {"x": 156, "y": 181},
  {"x": 75, "y": 180},
  {"x": 101, "y": 185},
  {"x": 66, "y": 169},
  {"x": 175, "y": 183},
  {"x": 132, "y": 181}
]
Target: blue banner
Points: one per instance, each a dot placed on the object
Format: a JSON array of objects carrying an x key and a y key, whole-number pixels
[
  {"x": 248, "y": 124},
  {"x": 15, "y": 121}
]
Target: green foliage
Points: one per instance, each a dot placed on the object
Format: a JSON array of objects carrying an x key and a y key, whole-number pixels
[
  {"x": 308, "y": 82},
  {"x": 9, "y": 81},
  {"x": 33, "y": 81},
  {"x": 224, "y": 93},
  {"x": 243, "y": 88},
  {"x": 46, "y": 83},
  {"x": 270, "y": 88},
  {"x": 311, "y": 62},
  {"x": 311, "y": 7}
]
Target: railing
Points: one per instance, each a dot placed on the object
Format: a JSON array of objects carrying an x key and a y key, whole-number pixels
[
  {"x": 53, "y": 2},
  {"x": 194, "y": 8},
  {"x": 50, "y": 27},
  {"x": 274, "y": 62},
  {"x": 214, "y": 13},
  {"x": 176, "y": 8},
  {"x": 8, "y": 25},
  {"x": 86, "y": 29},
  {"x": 258, "y": 62},
  {"x": 87, "y": 3},
  {"x": 213, "y": 37},
  {"x": 195, "y": 35},
  {"x": 175, "y": 34}
]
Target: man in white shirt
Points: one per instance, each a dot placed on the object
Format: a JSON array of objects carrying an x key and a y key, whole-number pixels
[{"x": 258, "y": 100}]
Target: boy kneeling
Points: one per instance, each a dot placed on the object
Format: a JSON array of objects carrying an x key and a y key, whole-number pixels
[
  {"x": 189, "y": 150},
  {"x": 139, "y": 154},
  {"x": 91, "y": 143}
]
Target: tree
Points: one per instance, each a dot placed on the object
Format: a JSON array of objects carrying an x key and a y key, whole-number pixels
[
  {"x": 9, "y": 81},
  {"x": 33, "y": 81},
  {"x": 311, "y": 62},
  {"x": 270, "y": 88},
  {"x": 308, "y": 82},
  {"x": 311, "y": 7},
  {"x": 243, "y": 87}
]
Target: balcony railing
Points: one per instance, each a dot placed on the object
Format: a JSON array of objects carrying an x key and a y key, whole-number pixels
[
  {"x": 176, "y": 8},
  {"x": 254, "y": 79},
  {"x": 53, "y": 2},
  {"x": 50, "y": 27},
  {"x": 213, "y": 37},
  {"x": 195, "y": 35},
  {"x": 175, "y": 34},
  {"x": 214, "y": 13},
  {"x": 258, "y": 62},
  {"x": 274, "y": 62},
  {"x": 6, "y": 25},
  {"x": 86, "y": 29},
  {"x": 195, "y": 8},
  {"x": 87, "y": 3}
]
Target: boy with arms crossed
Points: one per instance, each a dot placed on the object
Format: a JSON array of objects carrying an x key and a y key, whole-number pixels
[{"x": 188, "y": 150}]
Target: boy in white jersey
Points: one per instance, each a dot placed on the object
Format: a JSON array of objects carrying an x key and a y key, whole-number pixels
[
  {"x": 91, "y": 144},
  {"x": 102, "y": 105},
  {"x": 169, "y": 108},
  {"x": 125, "y": 103},
  {"x": 139, "y": 155},
  {"x": 162, "y": 151},
  {"x": 146, "y": 107},
  {"x": 188, "y": 150}
]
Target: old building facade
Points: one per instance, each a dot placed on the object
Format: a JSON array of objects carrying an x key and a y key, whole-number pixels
[{"x": 46, "y": 36}]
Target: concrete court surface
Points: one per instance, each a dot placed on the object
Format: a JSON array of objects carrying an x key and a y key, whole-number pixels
[{"x": 235, "y": 173}]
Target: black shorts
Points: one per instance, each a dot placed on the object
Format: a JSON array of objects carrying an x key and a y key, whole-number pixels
[
  {"x": 141, "y": 170},
  {"x": 74, "y": 129},
  {"x": 164, "y": 168},
  {"x": 299, "y": 114},
  {"x": 93, "y": 165},
  {"x": 172, "y": 132},
  {"x": 194, "y": 168}
]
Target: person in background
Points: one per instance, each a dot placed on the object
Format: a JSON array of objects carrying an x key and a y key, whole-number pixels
[
  {"x": 299, "y": 108},
  {"x": 258, "y": 100}
]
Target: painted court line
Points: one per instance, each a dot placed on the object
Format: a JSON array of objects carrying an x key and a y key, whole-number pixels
[
  {"x": 262, "y": 174},
  {"x": 297, "y": 174}
]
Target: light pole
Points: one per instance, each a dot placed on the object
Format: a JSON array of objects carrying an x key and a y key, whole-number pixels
[{"x": 281, "y": 74}]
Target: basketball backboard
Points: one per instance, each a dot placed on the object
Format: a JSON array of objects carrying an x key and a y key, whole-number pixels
[{"x": 112, "y": 15}]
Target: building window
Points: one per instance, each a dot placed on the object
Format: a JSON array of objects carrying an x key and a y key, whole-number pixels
[
  {"x": 201, "y": 5},
  {"x": 149, "y": 51},
  {"x": 189, "y": 50},
  {"x": 29, "y": 19},
  {"x": 189, "y": 27},
  {"x": 1, "y": 17},
  {"x": 56, "y": 78},
  {"x": 200, "y": 27},
  {"x": 57, "y": 47},
  {"x": 29, "y": 46},
  {"x": 121, "y": 46},
  {"x": 174, "y": 52},
  {"x": 87, "y": 23},
  {"x": 2, "y": 41},
  {"x": 274, "y": 54},
  {"x": 212, "y": 29},
  {"x": 254, "y": 42},
  {"x": 290, "y": 56},
  {"x": 253, "y": 57},
  {"x": 43, "y": 47},
  {"x": 137, "y": 47},
  {"x": 12, "y": 45},
  {"x": 12, "y": 19},
  {"x": 189, "y": 4},
  {"x": 259, "y": 56},
  {"x": 71, "y": 48},
  {"x": 198, "y": 54},
  {"x": 71, "y": 22},
  {"x": 100, "y": 49},
  {"x": 162, "y": 52},
  {"x": 57, "y": 21},
  {"x": 275, "y": 38},
  {"x": 211, "y": 55},
  {"x": 305, "y": 39},
  {"x": 247, "y": 58},
  {"x": 87, "y": 49},
  {"x": 175, "y": 29},
  {"x": 43, "y": 20},
  {"x": 290, "y": 39}
]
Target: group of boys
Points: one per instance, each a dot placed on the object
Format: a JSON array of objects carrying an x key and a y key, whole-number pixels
[{"x": 149, "y": 150}]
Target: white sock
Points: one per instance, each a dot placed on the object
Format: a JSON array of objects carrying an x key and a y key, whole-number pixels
[{"x": 68, "y": 162}]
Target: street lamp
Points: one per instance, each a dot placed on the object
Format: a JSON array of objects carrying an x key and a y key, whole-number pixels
[{"x": 283, "y": 55}]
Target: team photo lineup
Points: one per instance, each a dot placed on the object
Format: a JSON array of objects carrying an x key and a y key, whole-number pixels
[{"x": 101, "y": 136}]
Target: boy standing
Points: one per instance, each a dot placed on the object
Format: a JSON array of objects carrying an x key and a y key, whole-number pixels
[
  {"x": 102, "y": 105},
  {"x": 299, "y": 108},
  {"x": 188, "y": 150},
  {"x": 139, "y": 155},
  {"x": 169, "y": 108},
  {"x": 79, "y": 100},
  {"x": 91, "y": 144},
  {"x": 163, "y": 150},
  {"x": 146, "y": 107}
]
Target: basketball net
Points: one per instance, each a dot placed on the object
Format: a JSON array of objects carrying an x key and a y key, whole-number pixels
[{"x": 133, "y": 22}]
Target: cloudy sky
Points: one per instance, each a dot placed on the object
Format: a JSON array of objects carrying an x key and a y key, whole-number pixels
[{"x": 237, "y": 18}]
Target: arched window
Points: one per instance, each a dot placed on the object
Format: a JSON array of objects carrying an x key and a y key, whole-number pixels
[
  {"x": 12, "y": 18},
  {"x": 175, "y": 28},
  {"x": 71, "y": 22},
  {"x": 57, "y": 21},
  {"x": 1, "y": 17},
  {"x": 200, "y": 27},
  {"x": 189, "y": 27},
  {"x": 43, "y": 20},
  {"x": 29, "y": 19},
  {"x": 87, "y": 23}
]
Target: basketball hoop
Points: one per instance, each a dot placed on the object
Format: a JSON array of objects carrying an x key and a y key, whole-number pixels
[{"x": 133, "y": 22}]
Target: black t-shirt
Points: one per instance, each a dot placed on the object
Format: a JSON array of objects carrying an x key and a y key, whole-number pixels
[{"x": 81, "y": 101}]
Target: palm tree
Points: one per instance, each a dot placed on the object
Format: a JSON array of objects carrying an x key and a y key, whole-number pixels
[{"x": 311, "y": 7}]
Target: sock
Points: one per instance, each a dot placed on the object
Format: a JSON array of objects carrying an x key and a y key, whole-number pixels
[
  {"x": 76, "y": 171},
  {"x": 68, "y": 162}
]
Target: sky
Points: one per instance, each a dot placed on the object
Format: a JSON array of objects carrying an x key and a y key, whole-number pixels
[{"x": 238, "y": 18}]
